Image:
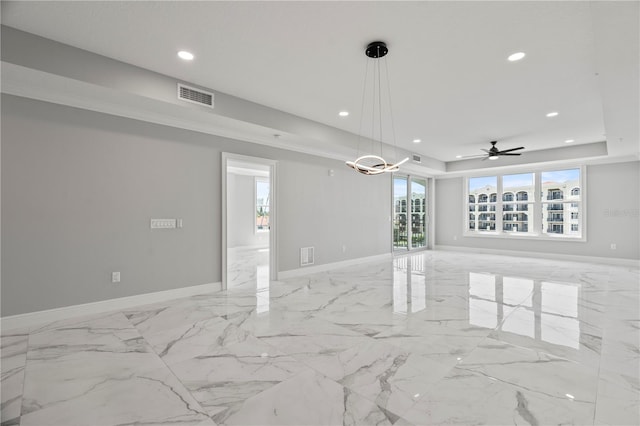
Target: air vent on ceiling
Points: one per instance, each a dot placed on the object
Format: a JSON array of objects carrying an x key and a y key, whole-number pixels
[
  {"x": 416, "y": 159},
  {"x": 196, "y": 96}
]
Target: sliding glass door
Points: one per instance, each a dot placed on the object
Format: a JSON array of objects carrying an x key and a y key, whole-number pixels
[
  {"x": 409, "y": 213},
  {"x": 418, "y": 212},
  {"x": 400, "y": 229}
]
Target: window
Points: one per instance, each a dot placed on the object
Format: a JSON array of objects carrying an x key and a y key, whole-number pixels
[
  {"x": 515, "y": 196},
  {"x": 545, "y": 204},
  {"x": 484, "y": 190},
  {"x": 554, "y": 194},
  {"x": 262, "y": 205},
  {"x": 560, "y": 186},
  {"x": 555, "y": 228}
]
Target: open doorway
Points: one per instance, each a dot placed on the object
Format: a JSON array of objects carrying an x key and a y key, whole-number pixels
[{"x": 248, "y": 223}]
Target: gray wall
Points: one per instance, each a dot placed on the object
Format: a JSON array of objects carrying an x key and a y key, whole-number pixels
[
  {"x": 79, "y": 188},
  {"x": 347, "y": 211},
  {"x": 613, "y": 203},
  {"x": 242, "y": 219}
]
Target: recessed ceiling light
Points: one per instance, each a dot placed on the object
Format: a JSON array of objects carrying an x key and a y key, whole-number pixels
[
  {"x": 417, "y": 140},
  {"x": 552, "y": 114},
  {"x": 187, "y": 56},
  {"x": 343, "y": 113},
  {"x": 569, "y": 141},
  {"x": 458, "y": 156},
  {"x": 516, "y": 56}
]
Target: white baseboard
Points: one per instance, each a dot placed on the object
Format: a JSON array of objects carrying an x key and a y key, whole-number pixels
[
  {"x": 32, "y": 319},
  {"x": 327, "y": 266},
  {"x": 258, "y": 246},
  {"x": 554, "y": 256}
]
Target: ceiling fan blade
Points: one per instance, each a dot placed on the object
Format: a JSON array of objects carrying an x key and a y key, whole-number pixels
[
  {"x": 512, "y": 149},
  {"x": 485, "y": 158},
  {"x": 512, "y": 153},
  {"x": 485, "y": 150}
]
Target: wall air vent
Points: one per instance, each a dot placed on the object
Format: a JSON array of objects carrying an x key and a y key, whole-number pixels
[
  {"x": 196, "y": 96},
  {"x": 306, "y": 256},
  {"x": 416, "y": 158}
]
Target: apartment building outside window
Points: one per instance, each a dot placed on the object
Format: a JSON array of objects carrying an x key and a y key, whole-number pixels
[
  {"x": 410, "y": 212},
  {"x": 543, "y": 204}
]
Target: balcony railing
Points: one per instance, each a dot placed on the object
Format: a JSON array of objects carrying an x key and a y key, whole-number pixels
[
  {"x": 557, "y": 230},
  {"x": 555, "y": 219}
]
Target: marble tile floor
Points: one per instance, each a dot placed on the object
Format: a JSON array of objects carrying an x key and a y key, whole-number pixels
[
  {"x": 248, "y": 267},
  {"x": 432, "y": 338}
]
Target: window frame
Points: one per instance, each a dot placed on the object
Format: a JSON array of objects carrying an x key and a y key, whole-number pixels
[
  {"x": 406, "y": 212},
  {"x": 256, "y": 180},
  {"x": 538, "y": 201}
]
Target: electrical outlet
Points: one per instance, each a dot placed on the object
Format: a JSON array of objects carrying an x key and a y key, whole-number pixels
[
  {"x": 115, "y": 277},
  {"x": 455, "y": 238},
  {"x": 163, "y": 223},
  {"x": 613, "y": 246}
]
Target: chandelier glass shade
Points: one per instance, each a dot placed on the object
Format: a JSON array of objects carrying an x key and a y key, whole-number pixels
[{"x": 374, "y": 163}]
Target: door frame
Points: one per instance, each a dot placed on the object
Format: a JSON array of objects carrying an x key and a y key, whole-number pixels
[
  {"x": 429, "y": 223},
  {"x": 273, "y": 222}
]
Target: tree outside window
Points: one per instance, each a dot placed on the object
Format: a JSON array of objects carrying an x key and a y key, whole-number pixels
[{"x": 262, "y": 205}]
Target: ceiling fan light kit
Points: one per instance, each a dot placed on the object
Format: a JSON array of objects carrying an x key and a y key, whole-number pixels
[{"x": 373, "y": 164}]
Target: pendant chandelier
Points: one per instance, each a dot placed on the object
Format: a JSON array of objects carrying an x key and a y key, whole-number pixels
[{"x": 374, "y": 164}]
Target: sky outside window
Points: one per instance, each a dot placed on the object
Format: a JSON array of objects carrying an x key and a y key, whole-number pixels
[
  {"x": 516, "y": 181},
  {"x": 482, "y": 182},
  {"x": 262, "y": 192},
  {"x": 561, "y": 175}
]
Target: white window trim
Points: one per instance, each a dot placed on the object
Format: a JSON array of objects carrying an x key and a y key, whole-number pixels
[{"x": 537, "y": 208}]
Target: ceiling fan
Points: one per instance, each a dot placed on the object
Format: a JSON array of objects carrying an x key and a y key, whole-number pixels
[{"x": 494, "y": 153}]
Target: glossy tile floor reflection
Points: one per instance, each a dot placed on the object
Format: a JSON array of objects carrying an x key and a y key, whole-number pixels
[
  {"x": 434, "y": 338},
  {"x": 248, "y": 267}
]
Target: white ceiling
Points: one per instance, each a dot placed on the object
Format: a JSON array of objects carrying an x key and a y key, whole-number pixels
[{"x": 451, "y": 84}]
